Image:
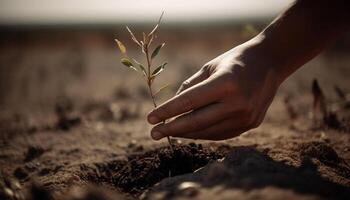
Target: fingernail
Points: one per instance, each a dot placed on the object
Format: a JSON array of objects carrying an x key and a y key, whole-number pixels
[
  {"x": 153, "y": 119},
  {"x": 156, "y": 135}
]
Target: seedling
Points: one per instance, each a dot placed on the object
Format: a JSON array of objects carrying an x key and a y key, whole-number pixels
[{"x": 148, "y": 72}]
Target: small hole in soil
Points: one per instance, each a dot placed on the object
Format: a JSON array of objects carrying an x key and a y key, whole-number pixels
[{"x": 143, "y": 171}]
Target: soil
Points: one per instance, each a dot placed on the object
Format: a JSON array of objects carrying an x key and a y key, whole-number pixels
[
  {"x": 247, "y": 168},
  {"x": 73, "y": 125},
  {"x": 148, "y": 169}
]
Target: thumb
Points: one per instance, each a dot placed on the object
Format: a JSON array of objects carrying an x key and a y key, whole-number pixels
[{"x": 198, "y": 77}]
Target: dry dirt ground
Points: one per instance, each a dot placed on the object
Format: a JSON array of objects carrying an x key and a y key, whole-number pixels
[{"x": 72, "y": 124}]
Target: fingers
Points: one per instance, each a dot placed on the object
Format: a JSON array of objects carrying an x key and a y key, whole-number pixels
[
  {"x": 224, "y": 129},
  {"x": 198, "y": 77},
  {"x": 192, "y": 121},
  {"x": 221, "y": 135},
  {"x": 194, "y": 97}
]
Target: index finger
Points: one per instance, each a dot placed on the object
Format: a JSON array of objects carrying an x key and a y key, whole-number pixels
[{"x": 195, "y": 97}]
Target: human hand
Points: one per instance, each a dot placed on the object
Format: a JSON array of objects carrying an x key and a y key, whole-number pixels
[{"x": 226, "y": 97}]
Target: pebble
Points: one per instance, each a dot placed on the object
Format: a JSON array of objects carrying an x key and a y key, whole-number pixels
[
  {"x": 8, "y": 192},
  {"x": 189, "y": 189}
]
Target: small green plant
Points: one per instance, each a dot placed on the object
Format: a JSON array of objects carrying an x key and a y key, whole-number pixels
[{"x": 148, "y": 72}]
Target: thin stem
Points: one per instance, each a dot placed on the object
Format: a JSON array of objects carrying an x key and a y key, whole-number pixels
[
  {"x": 149, "y": 84},
  {"x": 148, "y": 64},
  {"x": 152, "y": 96}
]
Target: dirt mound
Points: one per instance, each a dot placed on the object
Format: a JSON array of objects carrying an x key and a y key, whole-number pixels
[
  {"x": 249, "y": 170},
  {"x": 145, "y": 170},
  {"x": 141, "y": 171},
  {"x": 319, "y": 150}
]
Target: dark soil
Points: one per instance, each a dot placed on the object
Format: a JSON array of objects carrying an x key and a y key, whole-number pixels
[
  {"x": 33, "y": 152},
  {"x": 141, "y": 171},
  {"x": 320, "y": 151},
  {"x": 145, "y": 170}
]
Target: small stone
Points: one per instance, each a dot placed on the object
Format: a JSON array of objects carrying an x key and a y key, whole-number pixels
[
  {"x": 44, "y": 171},
  {"x": 74, "y": 178},
  {"x": 189, "y": 189},
  {"x": 8, "y": 192},
  {"x": 132, "y": 144},
  {"x": 16, "y": 185}
]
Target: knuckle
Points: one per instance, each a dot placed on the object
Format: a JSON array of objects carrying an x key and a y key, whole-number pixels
[
  {"x": 185, "y": 84},
  {"x": 209, "y": 68},
  {"x": 206, "y": 66}
]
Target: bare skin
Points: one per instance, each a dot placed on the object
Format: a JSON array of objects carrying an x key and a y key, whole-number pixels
[{"x": 231, "y": 93}]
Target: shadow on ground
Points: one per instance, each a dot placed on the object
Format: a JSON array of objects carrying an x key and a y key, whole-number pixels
[{"x": 248, "y": 169}]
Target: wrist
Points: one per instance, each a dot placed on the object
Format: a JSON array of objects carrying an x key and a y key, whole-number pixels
[
  {"x": 258, "y": 57},
  {"x": 277, "y": 60}
]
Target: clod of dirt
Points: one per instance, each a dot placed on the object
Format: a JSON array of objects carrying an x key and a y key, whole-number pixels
[
  {"x": 33, "y": 152},
  {"x": 65, "y": 119},
  {"x": 65, "y": 123},
  {"x": 10, "y": 189},
  {"x": 126, "y": 112},
  {"x": 99, "y": 110},
  {"x": 133, "y": 146},
  {"x": 121, "y": 93},
  {"x": 145, "y": 170},
  {"x": 319, "y": 150},
  {"x": 20, "y": 173},
  {"x": 37, "y": 192},
  {"x": 44, "y": 171},
  {"x": 332, "y": 121},
  {"x": 100, "y": 173}
]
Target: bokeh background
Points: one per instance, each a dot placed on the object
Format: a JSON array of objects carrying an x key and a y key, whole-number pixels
[
  {"x": 71, "y": 114},
  {"x": 51, "y": 50}
]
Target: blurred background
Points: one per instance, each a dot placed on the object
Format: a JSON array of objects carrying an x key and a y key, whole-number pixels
[{"x": 51, "y": 50}]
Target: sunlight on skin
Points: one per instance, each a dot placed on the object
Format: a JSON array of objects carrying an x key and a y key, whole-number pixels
[{"x": 114, "y": 11}]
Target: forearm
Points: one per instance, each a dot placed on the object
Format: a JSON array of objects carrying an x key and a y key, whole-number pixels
[{"x": 300, "y": 33}]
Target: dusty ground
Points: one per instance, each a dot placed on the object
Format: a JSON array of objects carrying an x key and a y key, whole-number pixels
[{"x": 73, "y": 118}]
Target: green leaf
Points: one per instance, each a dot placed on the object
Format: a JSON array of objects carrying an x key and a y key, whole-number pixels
[
  {"x": 156, "y": 50},
  {"x": 158, "y": 70},
  {"x": 133, "y": 36},
  {"x": 161, "y": 89},
  {"x": 128, "y": 63},
  {"x": 121, "y": 46},
  {"x": 141, "y": 67}
]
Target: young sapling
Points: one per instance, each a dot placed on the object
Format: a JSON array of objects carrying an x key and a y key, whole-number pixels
[{"x": 147, "y": 72}]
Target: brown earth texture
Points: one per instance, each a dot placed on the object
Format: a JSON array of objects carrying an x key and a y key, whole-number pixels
[{"x": 72, "y": 123}]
